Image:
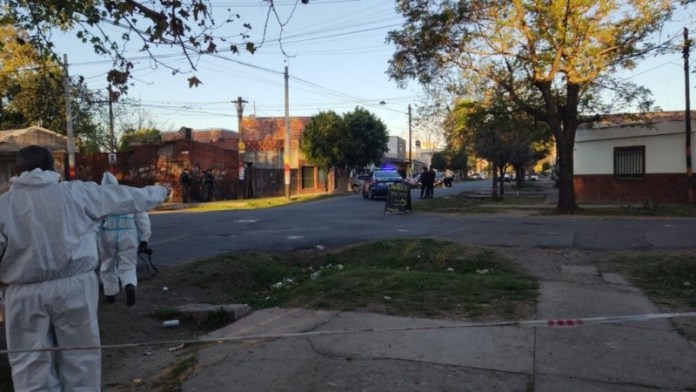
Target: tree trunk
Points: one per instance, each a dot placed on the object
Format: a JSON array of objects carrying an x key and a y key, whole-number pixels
[
  {"x": 566, "y": 189},
  {"x": 519, "y": 176},
  {"x": 569, "y": 118},
  {"x": 563, "y": 121},
  {"x": 494, "y": 177},
  {"x": 342, "y": 179}
]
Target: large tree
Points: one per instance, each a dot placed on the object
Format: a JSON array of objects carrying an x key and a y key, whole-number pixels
[
  {"x": 347, "y": 142},
  {"x": 138, "y": 136},
  {"x": 554, "y": 58},
  {"x": 498, "y": 132},
  {"x": 32, "y": 93},
  {"x": 185, "y": 24}
]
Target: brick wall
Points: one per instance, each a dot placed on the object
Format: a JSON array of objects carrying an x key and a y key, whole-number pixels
[
  {"x": 220, "y": 137},
  {"x": 163, "y": 162},
  {"x": 264, "y": 138},
  {"x": 661, "y": 188},
  {"x": 261, "y": 132}
]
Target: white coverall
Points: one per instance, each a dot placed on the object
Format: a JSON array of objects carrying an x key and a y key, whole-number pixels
[
  {"x": 119, "y": 238},
  {"x": 48, "y": 254}
]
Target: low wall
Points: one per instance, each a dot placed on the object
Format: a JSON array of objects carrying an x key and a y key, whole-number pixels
[{"x": 661, "y": 188}]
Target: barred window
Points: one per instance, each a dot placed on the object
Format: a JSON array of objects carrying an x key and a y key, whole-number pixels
[{"x": 629, "y": 163}]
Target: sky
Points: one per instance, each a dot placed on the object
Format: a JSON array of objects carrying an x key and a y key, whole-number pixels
[
  {"x": 337, "y": 57},
  {"x": 337, "y": 60}
]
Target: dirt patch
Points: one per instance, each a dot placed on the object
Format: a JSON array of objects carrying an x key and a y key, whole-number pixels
[{"x": 147, "y": 367}]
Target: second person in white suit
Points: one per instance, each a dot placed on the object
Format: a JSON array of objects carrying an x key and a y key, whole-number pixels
[{"x": 120, "y": 238}]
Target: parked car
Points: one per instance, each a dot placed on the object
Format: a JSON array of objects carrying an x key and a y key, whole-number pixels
[
  {"x": 477, "y": 176},
  {"x": 507, "y": 177},
  {"x": 532, "y": 177},
  {"x": 378, "y": 183},
  {"x": 356, "y": 182}
]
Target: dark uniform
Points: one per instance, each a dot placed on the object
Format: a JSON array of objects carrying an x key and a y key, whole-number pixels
[{"x": 185, "y": 181}]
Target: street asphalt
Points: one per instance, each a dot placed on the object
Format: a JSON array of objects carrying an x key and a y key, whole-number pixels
[{"x": 413, "y": 354}]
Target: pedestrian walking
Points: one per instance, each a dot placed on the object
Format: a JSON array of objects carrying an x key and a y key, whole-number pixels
[
  {"x": 120, "y": 238},
  {"x": 185, "y": 181},
  {"x": 48, "y": 254}
]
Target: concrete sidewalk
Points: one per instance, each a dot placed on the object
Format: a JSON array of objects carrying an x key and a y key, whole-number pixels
[{"x": 632, "y": 356}]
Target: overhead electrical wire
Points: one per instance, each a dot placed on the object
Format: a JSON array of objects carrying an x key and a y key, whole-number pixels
[
  {"x": 356, "y": 26},
  {"x": 314, "y": 88}
]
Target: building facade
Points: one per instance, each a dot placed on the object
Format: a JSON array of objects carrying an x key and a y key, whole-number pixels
[
  {"x": 264, "y": 139},
  {"x": 13, "y": 140},
  {"x": 633, "y": 159}
]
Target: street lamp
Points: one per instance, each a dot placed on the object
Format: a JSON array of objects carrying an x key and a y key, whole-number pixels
[{"x": 239, "y": 105}]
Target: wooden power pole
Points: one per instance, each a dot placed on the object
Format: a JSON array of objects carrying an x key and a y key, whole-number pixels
[{"x": 687, "y": 115}]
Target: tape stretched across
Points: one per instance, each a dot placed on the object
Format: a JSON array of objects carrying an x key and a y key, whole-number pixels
[{"x": 549, "y": 323}]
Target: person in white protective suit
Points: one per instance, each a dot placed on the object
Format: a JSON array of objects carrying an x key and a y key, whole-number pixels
[
  {"x": 120, "y": 239},
  {"x": 48, "y": 254}
]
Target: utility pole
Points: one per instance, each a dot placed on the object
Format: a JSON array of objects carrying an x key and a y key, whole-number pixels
[
  {"x": 410, "y": 163},
  {"x": 239, "y": 104},
  {"x": 112, "y": 139},
  {"x": 286, "y": 144},
  {"x": 687, "y": 44},
  {"x": 68, "y": 120}
]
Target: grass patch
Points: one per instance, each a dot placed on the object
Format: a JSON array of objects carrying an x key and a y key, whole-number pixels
[
  {"x": 475, "y": 204},
  {"x": 241, "y": 278},
  {"x": 667, "y": 279},
  {"x": 401, "y": 277},
  {"x": 250, "y": 204}
]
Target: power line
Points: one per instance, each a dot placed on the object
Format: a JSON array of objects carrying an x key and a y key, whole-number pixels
[{"x": 335, "y": 32}]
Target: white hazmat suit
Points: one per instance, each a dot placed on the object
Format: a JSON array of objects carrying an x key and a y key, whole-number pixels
[
  {"x": 48, "y": 254},
  {"x": 118, "y": 246}
]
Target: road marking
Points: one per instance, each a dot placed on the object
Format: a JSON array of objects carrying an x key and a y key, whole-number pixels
[
  {"x": 294, "y": 237},
  {"x": 246, "y": 220}
]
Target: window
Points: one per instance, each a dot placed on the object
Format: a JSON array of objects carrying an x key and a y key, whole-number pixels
[
  {"x": 629, "y": 163},
  {"x": 307, "y": 177}
]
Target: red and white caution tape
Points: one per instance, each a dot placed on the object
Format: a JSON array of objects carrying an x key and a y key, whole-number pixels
[{"x": 550, "y": 323}]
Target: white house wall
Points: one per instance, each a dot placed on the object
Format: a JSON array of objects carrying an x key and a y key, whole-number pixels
[
  {"x": 396, "y": 147},
  {"x": 664, "y": 147}
]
